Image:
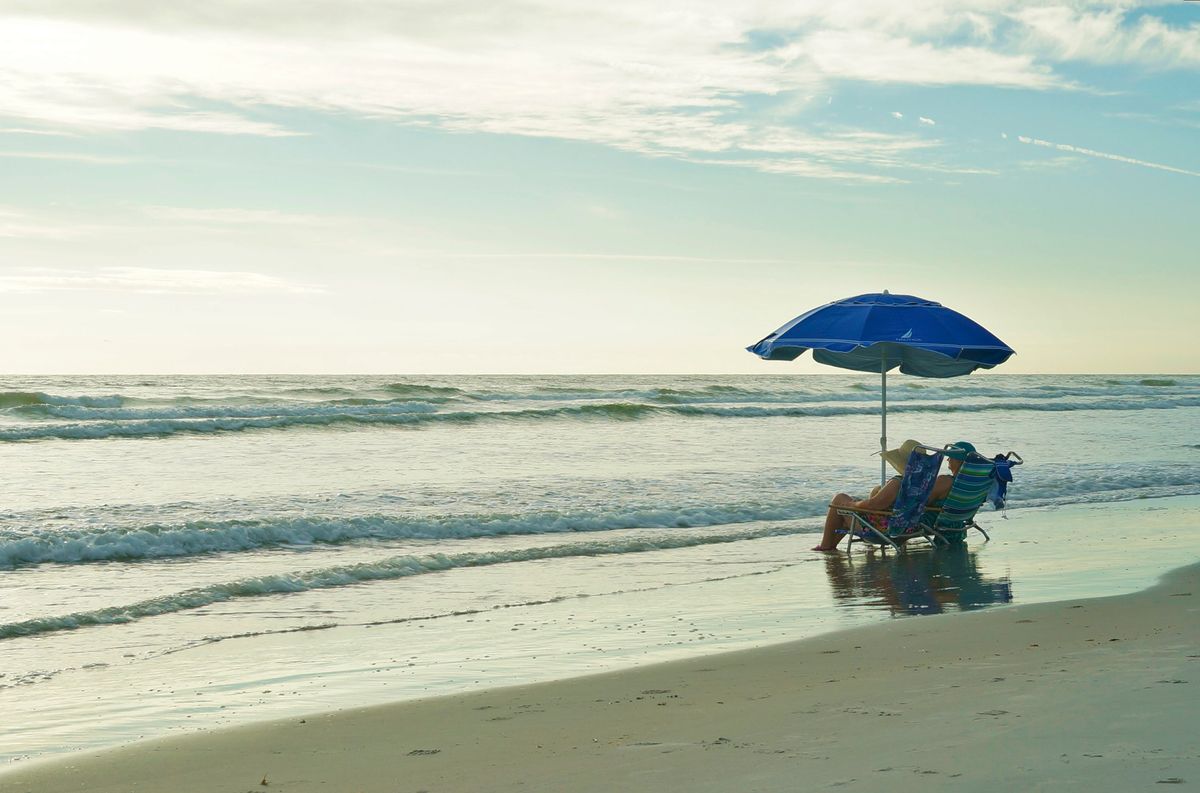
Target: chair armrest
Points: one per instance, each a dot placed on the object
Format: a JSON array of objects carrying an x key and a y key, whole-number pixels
[{"x": 862, "y": 511}]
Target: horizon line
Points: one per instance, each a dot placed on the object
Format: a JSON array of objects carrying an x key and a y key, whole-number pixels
[{"x": 834, "y": 372}]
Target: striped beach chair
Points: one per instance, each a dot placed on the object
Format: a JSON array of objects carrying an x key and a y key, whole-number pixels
[{"x": 956, "y": 516}]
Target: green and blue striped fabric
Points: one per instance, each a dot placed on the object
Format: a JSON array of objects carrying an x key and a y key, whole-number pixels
[{"x": 967, "y": 494}]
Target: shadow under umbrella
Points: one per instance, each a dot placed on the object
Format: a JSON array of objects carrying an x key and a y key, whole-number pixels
[{"x": 919, "y": 581}]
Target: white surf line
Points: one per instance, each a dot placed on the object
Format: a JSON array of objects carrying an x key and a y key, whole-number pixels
[{"x": 345, "y": 575}]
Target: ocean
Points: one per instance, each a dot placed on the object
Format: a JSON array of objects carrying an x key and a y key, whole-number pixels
[{"x": 187, "y": 552}]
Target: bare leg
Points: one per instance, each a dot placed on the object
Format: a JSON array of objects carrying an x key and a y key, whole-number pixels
[{"x": 833, "y": 521}]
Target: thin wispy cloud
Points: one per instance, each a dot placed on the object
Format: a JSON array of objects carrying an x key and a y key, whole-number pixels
[
  {"x": 1108, "y": 36},
  {"x": 53, "y": 133},
  {"x": 891, "y": 56},
  {"x": 151, "y": 281},
  {"x": 927, "y": 121},
  {"x": 66, "y": 156},
  {"x": 1104, "y": 155},
  {"x": 795, "y": 166},
  {"x": 410, "y": 169},
  {"x": 1167, "y": 120},
  {"x": 1060, "y": 163},
  {"x": 19, "y": 224},
  {"x": 677, "y": 82},
  {"x": 616, "y": 257},
  {"x": 234, "y": 216}
]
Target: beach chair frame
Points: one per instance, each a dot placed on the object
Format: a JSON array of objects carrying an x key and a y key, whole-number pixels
[{"x": 864, "y": 531}]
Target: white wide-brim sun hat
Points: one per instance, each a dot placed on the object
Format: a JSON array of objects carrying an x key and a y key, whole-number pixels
[{"x": 898, "y": 458}]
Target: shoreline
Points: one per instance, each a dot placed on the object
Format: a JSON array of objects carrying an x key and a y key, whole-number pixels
[
  {"x": 763, "y": 593},
  {"x": 1073, "y": 694}
]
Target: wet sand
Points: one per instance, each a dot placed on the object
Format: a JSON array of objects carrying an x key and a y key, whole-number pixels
[{"x": 1096, "y": 694}]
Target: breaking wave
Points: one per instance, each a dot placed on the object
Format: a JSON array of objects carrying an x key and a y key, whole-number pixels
[
  {"x": 205, "y": 537},
  {"x": 347, "y": 575},
  {"x": 348, "y": 409},
  {"x": 24, "y": 399},
  {"x": 115, "y": 422},
  {"x": 98, "y": 538},
  {"x": 418, "y": 390}
]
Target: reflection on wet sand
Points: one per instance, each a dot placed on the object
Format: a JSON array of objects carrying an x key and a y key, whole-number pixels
[{"x": 918, "y": 581}]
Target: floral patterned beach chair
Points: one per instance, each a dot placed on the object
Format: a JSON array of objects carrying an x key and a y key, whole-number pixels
[{"x": 901, "y": 523}]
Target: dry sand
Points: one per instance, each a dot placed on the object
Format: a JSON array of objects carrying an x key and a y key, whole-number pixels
[{"x": 1086, "y": 695}]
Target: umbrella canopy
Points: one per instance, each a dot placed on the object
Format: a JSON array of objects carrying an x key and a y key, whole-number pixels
[{"x": 880, "y": 331}]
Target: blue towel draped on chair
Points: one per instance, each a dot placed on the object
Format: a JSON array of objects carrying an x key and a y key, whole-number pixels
[
  {"x": 915, "y": 487},
  {"x": 1003, "y": 476}
]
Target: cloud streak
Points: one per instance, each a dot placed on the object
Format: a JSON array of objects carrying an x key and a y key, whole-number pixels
[
  {"x": 151, "y": 281},
  {"x": 1067, "y": 147},
  {"x": 234, "y": 216},
  {"x": 66, "y": 156},
  {"x": 54, "y": 133},
  {"x": 1108, "y": 36}
]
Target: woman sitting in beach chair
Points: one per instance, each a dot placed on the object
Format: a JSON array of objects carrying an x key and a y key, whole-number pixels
[{"x": 877, "y": 508}]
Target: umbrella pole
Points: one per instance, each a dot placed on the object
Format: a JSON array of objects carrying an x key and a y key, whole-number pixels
[{"x": 883, "y": 430}]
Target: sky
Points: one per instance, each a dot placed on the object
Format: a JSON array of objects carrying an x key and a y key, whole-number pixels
[{"x": 576, "y": 187}]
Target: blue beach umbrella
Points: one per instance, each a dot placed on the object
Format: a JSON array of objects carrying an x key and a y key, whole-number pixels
[{"x": 879, "y": 332}]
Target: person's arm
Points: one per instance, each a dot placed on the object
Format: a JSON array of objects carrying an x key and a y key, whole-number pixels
[
  {"x": 882, "y": 500},
  {"x": 941, "y": 488}
]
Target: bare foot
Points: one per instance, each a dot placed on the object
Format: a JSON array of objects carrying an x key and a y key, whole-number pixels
[{"x": 823, "y": 548}]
